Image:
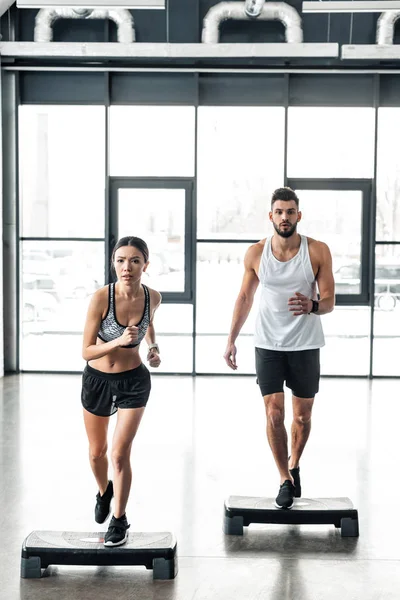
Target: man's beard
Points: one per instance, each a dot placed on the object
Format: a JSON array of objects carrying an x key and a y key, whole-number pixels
[{"x": 285, "y": 233}]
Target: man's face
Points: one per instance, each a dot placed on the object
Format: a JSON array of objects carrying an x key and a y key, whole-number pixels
[{"x": 284, "y": 217}]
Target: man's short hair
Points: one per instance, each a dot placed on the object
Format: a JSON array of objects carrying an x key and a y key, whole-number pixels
[{"x": 284, "y": 193}]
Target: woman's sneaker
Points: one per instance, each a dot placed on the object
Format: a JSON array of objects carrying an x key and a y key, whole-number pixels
[
  {"x": 102, "y": 509},
  {"x": 286, "y": 494},
  {"x": 117, "y": 533}
]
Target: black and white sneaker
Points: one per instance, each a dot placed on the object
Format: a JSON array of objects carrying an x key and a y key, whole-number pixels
[
  {"x": 103, "y": 504},
  {"x": 295, "y": 473},
  {"x": 117, "y": 533},
  {"x": 286, "y": 494}
]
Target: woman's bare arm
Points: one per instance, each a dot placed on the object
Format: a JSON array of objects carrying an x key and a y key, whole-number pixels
[{"x": 97, "y": 307}]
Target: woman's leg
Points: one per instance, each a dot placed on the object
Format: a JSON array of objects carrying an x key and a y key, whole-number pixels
[
  {"x": 127, "y": 425},
  {"x": 96, "y": 429}
]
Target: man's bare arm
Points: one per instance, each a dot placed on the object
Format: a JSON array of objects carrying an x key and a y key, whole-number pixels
[
  {"x": 299, "y": 304},
  {"x": 326, "y": 282},
  {"x": 243, "y": 304}
]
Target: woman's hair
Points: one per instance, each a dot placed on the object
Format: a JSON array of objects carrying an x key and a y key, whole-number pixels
[{"x": 131, "y": 240}]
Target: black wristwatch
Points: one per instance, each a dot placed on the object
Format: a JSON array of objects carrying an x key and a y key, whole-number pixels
[{"x": 315, "y": 306}]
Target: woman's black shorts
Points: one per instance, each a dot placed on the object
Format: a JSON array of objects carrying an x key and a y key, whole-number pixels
[
  {"x": 104, "y": 393},
  {"x": 300, "y": 369}
]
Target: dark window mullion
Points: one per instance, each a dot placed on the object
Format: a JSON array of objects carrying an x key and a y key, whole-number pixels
[{"x": 365, "y": 187}]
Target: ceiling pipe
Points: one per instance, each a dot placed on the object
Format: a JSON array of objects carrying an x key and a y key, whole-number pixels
[
  {"x": 46, "y": 18},
  {"x": 235, "y": 11}
]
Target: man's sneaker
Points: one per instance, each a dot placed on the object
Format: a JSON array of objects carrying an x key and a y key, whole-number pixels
[
  {"x": 117, "y": 533},
  {"x": 295, "y": 473},
  {"x": 102, "y": 508},
  {"x": 286, "y": 494}
]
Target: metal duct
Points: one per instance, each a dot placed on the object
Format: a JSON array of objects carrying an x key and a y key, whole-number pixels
[
  {"x": 385, "y": 27},
  {"x": 253, "y": 8},
  {"x": 46, "y": 18},
  {"x": 279, "y": 11}
]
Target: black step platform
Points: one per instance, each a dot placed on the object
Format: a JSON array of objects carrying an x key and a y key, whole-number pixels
[
  {"x": 155, "y": 551},
  {"x": 240, "y": 511}
]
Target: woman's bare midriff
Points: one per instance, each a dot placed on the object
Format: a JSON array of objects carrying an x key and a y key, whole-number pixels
[{"x": 120, "y": 359}]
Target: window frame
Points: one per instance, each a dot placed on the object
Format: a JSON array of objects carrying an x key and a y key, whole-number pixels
[
  {"x": 364, "y": 298},
  {"x": 185, "y": 183}
]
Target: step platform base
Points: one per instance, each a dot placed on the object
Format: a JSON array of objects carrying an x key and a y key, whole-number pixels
[
  {"x": 156, "y": 551},
  {"x": 241, "y": 511}
]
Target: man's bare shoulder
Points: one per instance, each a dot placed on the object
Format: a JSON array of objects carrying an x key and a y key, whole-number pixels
[
  {"x": 253, "y": 256},
  {"x": 319, "y": 252},
  {"x": 255, "y": 250},
  {"x": 317, "y": 248}
]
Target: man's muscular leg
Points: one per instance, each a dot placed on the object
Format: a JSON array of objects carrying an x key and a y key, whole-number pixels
[
  {"x": 276, "y": 432},
  {"x": 301, "y": 427}
]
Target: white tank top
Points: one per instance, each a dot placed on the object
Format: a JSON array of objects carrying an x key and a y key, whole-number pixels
[{"x": 276, "y": 327}]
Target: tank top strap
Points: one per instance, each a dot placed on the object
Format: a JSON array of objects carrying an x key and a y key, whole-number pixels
[
  {"x": 306, "y": 261},
  {"x": 303, "y": 245},
  {"x": 265, "y": 257}
]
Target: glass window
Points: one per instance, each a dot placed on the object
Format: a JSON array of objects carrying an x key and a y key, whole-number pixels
[
  {"x": 62, "y": 171},
  {"x": 387, "y": 310},
  {"x": 220, "y": 269},
  {"x": 57, "y": 282},
  {"x": 335, "y": 217},
  {"x": 158, "y": 216},
  {"x": 174, "y": 333},
  {"x": 219, "y": 276},
  {"x": 331, "y": 142},
  {"x": 240, "y": 164},
  {"x": 152, "y": 141},
  {"x": 388, "y": 175},
  {"x": 347, "y": 341}
]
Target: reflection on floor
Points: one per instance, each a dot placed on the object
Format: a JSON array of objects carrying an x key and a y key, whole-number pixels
[{"x": 200, "y": 441}]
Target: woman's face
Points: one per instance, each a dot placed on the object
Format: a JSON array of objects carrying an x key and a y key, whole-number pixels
[{"x": 129, "y": 264}]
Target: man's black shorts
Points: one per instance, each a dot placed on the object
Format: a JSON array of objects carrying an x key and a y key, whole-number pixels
[
  {"x": 299, "y": 369},
  {"x": 104, "y": 393}
]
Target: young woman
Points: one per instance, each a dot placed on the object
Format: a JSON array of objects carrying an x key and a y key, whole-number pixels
[{"x": 120, "y": 315}]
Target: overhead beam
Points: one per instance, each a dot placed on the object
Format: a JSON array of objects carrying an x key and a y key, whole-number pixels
[
  {"x": 371, "y": 52},
  {"x": 147, "y": 50},
  {"x": 349, "y": 6},
  {"x": 93, "y": 4}
]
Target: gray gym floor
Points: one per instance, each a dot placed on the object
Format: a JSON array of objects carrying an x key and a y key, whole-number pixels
[{"x": 200, "y": 441}]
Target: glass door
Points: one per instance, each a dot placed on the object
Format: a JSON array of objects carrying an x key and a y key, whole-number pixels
[{"x": 160, "y": 211}]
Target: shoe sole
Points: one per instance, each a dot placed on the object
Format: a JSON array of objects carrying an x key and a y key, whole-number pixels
[
  {"x": 284, "y": 507},
  {"x": 110, "y": 544}
]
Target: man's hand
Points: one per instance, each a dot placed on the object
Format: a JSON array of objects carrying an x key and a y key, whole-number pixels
[
  {"x": 153, "y": 358},
  {"x": 300, "y": 304},
  {"x": 230, "y": 356}
]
